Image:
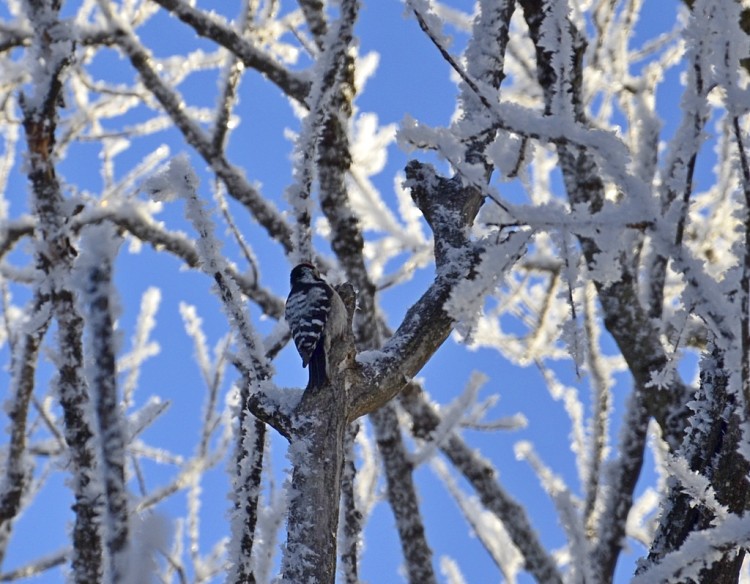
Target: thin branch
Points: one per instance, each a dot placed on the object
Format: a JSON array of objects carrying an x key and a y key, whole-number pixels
[
  {"x": 620, "y": 478},
  {"x": 350, "y": 521},
  {"x": 483, "y": 478},
  {"x": 17, "y": 472},
  {"x": 316, "y": 19},
  {"x": 179, "y": 245},
  {"x": 237, "y": 185},
  {"x": 231, "y": 77},
  {"x": 207, "y": 25},
  {"x": 37, "y": 567},
  {"x": 745, "y": 277},
  {"x": 402, "y": 495}
]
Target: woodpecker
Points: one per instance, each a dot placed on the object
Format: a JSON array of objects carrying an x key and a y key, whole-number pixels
[{"x": 317, "y": 317}]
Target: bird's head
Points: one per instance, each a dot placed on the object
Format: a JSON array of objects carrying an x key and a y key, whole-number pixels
[{"x": 304, "y": 272}]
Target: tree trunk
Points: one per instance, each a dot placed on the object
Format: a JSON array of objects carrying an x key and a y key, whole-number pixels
[{"x": 317, "y": 452}]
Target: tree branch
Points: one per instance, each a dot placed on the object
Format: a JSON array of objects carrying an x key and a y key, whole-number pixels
[
  {"x": 402, "y": 495},
  {"x": 483, "y": 477},
  {"x": 98, "y": 258},
  {"x": 207, "y": 25},
  {"x": 54, "y": 255},
  {"x": 237, "y": 186},
  {"x": 18, "y": 469}
]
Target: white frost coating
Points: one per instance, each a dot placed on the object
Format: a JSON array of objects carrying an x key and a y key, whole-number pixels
[
  {"x": 451, "y": 417},
  {"x": 176, "y": 180},
  {"x": 271, "y": 517},
  {"x": 433, "y": 19},
  {"x": 370, "y": 357},
  {"x": 700, "y": 550},
  {"x": 450, "y": 570},
  {"x": 466, "y": 301},
  {"x": 567, "y": 510},
  {"x": 179, "y": 180},
  {"x": 194, "y": 328},
  {"x": 142, "y": 418},
  {"x": 488, "y": 528},
  {"x": 149, "y": 540},
  {"x": 143, "y": 347},
  {"x": 368, "y": 472},
  {"x": 574, "y": 408},
  {"x": 510, "y": 154},
  {"x": 696, "y": 485},
  {"x": 366, "y": 66},
  {"x": 639, "y": 524}
]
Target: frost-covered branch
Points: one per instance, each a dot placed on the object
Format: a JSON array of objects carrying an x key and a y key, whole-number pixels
[
  {"x": 617, "y": 487},
  {"x": 14, "y": 231},
  {"x": 322, "y": 145},
  {"x": 237, "y": 186},
  {"x": 140, "y": 225},
  {"x": 99, "y": 248},
  {"x": 745, "y": 267},
  {"x": 677, "y": 184},
  {"x": 351, "y": 519},
  {"x": 37, "y": 567},
  {"x": 631, "y": 327},
  {"x": 229, "y": 84},
  {"x": 17, "y": 472},
  {"x": 315, "y": 16},
  {"x": 701, "y": 552},
  {"x": 54, "y": 255},
  {"x": 402, "y": 495},
  {"x": 483, "y": 477},
  {"x": 180, "y": 180},
  {"x": 209, "y": 26},
  {"x": 246, "y": 489},
  {"x": 711, "y": 450}
]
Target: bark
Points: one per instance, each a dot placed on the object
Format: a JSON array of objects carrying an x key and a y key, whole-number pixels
[
  {"x": 54, "y": 258},
  {"x": 350, "y": 518},
  {"x": 102, "y": 346},
  {"x": 402, "y": 495},
  {"x": 319, "y": 425},
  {"x": 18, "y": 469},
  {"x": 711, "y": 449}
]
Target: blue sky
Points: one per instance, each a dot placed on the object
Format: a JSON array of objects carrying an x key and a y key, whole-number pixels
[{"x": 411, "y": 79}]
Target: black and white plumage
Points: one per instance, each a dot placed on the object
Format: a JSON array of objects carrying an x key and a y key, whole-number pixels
[{"x": 316, "y": 316}]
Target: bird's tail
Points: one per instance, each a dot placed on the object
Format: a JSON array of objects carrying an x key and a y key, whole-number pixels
[{"x": 318, "y": 373}]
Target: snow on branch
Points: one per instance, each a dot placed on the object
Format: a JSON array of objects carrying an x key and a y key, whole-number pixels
[
  {"x": 487, "y": 526},
  {"x": 136, "y": 219},
  {"x": 450, "y": 418},
  {"x": 208, "y": 25},
  {"x": 51, "y": 51},
  {"x": 700, "y": 551},
  {"x": 179, "y": 180},
  {"x": 142, "y": 345},
  {"x": 237, "y": 185},
  {"x": 567, "y": 509},
  {"x": 322, "y": 149},
  {"x": 696, "y": 485},
  {"x": 483, "y": 478},
  {"x": 98, "y": 249},
  {"x": 18, "y": 467}
]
